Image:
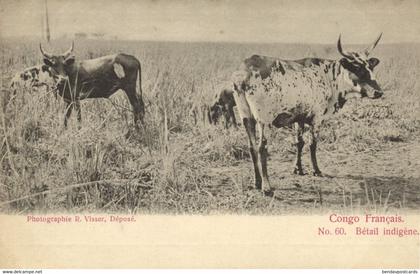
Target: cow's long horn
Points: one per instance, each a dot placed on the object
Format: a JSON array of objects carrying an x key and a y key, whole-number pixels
[
  {"x": 69, "y": 51},
  {"x": 369, "y": 49},
  {"x": 46, "y": 54},
  {"x": 340, "y": 49}
]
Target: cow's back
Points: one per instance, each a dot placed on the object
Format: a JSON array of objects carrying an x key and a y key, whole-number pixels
[{"x": 274, "y": 86}]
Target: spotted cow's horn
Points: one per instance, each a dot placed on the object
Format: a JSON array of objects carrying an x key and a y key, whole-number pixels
[
  {"x": 369, "y": 49},
  {"x": 69, "y": 51},
  {"x": 46, "y": 54},
  {"x": 340, "y": 49}
]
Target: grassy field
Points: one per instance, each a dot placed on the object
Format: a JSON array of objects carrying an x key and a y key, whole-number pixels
[{"x": 182, "y": 165}]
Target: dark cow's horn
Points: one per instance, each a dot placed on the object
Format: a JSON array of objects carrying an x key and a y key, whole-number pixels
[
  {"x": 46, "y": 54},
  {"x": 70, "y": 50},
  {"x": 340, "y": 49},
  {"x": 369, "y": 49}
]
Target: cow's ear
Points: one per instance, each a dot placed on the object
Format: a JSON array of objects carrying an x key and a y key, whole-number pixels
[
  {"x": 48, "y": 62},
  {"x": 345, "y": 63},
  {"x": 69, "y": 61},
  {"x": 373, "y": 62}
]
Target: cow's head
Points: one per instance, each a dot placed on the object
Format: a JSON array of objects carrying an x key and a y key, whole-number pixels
[
  {"x": 358, "y": 71},
  {"x": 60, "y": 65}
]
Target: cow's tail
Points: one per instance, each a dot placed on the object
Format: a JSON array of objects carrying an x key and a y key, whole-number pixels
[
  {"x": 138, "y": 81},
  {"x": 208, "y": 112},
  {"x": 139, "y": 92}
]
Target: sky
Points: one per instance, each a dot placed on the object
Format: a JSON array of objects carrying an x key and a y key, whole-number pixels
[{"x": 284, "y": 21}]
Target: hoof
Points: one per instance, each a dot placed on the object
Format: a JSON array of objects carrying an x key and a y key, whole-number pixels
[
  {"x": 249, "y": 188},
  {"x": 268, "y": 192},
  {"x": 297, "y": 185},
  {"x": 318, "y": 174},
  {"x": 132, "y": 132},
  {"x": 298, "y": 171}
]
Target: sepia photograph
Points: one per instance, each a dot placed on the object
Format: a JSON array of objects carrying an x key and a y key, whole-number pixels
[{"x": 131, "y": 115}]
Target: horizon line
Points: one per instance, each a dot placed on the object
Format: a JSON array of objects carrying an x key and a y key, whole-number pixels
[{"x": 39, "y": 39}]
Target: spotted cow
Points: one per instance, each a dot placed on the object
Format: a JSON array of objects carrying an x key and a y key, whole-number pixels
[
  {"x": 223, "y": 105},
  {"x": 96, "y": 78},
  {"x": 33, "y": 79},
  {"x": 272, "y": 91}
]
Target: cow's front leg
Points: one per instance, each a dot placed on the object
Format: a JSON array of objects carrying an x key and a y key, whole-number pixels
[
  {"x": 299, "y": 145},
  {"x": 314, "y": 139},
  {"x": 232, "y": 116},
  {"x": 262, "y": 159},
  {"x": 69, "y": 108},
  {"x": 226, "y": 114},
  {"x": 249, "y": 124}
]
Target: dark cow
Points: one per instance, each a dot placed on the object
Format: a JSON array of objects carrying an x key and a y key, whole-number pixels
[
  {"x": 96, "y": 78},
  {"x": 272, "y": 91},
  {"x": 223, "y": 105}
]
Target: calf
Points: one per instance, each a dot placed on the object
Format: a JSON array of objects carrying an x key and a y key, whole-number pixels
[
  {"x": 223, "y": 105},
  {"x": 33, "y": 78},
  {"x": 272, "y": 91}
]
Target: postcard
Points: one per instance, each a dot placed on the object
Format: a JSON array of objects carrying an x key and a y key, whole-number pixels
[{"x": 210, "y": 134}]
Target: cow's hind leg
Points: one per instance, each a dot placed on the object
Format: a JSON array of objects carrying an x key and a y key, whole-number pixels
[
  {"x": 299, "y": 145},
  {"x": 249, "y": 124},
  {"x": 262, "y": 160},
  {"x": 79, "y": 112},
  {"x": 137, "y": 105},
  {"x": 314, "y": 135}
]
